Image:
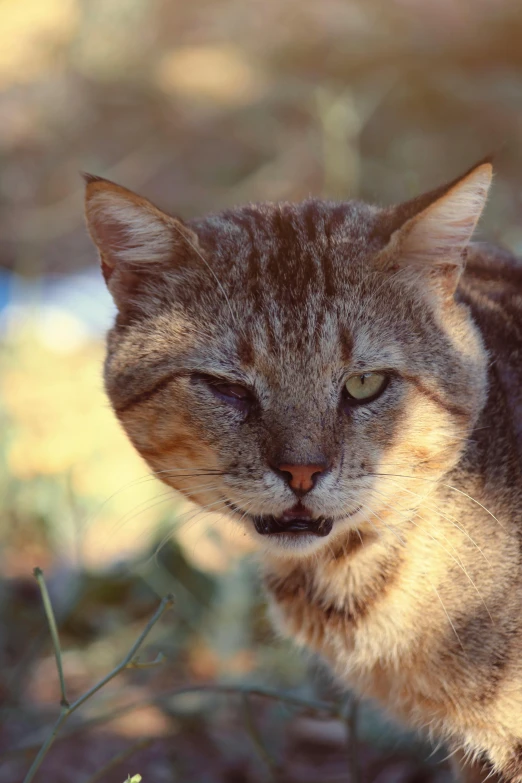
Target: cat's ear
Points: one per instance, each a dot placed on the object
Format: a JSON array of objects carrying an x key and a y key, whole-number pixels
[
  {"x": 432, "y": 242},
  {"x": 133, "y": 237}
]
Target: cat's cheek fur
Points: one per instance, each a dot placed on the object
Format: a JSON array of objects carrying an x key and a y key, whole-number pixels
[
  {"x": 430, "y": 439},
  {"x": 175, "y": 450}
]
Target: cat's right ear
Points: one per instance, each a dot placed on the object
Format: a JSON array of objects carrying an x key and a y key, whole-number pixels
[
  {"x": 434, "y": 230},
  {"x": 134, "y": 238}
]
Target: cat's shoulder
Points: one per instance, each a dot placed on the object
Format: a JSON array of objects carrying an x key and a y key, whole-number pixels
[
  {"x": 492, "y": 288},
  {"x": 492, "y": 264}
]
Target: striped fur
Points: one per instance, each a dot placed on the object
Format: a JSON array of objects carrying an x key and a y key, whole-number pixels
[{"x": 415, "y": 597}]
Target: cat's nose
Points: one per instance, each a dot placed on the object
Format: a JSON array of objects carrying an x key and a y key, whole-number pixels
[{"x": 301, "y": 478}]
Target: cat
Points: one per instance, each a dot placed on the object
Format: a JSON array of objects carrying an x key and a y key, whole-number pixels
[{"x": 346, "y": 382}]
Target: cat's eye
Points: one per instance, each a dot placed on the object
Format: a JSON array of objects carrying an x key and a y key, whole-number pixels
[
  {"x": 364, "y": 388},
  {"x": 232, "y": 393}
]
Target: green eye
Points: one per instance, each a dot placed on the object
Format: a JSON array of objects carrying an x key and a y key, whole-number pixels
[{"x": 365, "y": 387}]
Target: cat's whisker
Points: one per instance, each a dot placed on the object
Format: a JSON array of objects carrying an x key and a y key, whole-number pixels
[
  {"x": 461, "y": 565},
  {"x": 226, "y": 513},
  {"x": 214, "y": 522},
  {"x": 435, "y": 589},
  {"x": 168, "y": 496},
  {"x": 378, "y": 532},
  {"x": 450, "y": 621},
  {"x": 138, "y": 509},
  {"x": 191, "y": 474},
  {"x": 144, "y": 479},
  {"x": 190, "y": 514},
  {"x": 455, "y": 557},
  {"x": 244, "y": 514},
  {"x": 407, "y": 513},
  {"x": 148, "y": 505},
  {"x": 448, "y": 486},
  {"x": 433, "y": 507},
  {"x": 399, "y": 538},
  {"x": 203, "y": 509},
  {"x": 144, "y": 510},
  {"x": 409, "y": 516},
  {"x": 367, "y": 507}
]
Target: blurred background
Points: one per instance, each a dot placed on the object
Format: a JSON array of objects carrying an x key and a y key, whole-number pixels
[{"x": 198, "y": 105}]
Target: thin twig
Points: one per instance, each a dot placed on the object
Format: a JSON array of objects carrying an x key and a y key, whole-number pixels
[
  {"x": 158, "y": 660},
  {"x": 123, "y": 756},
  {"x": 51, "y": 620},
  {"x": 128, "y": 662},
  {"x": 64, "y": 714},
  {"x": 68, "y": 709},
  {"x": 257, "y": 740}
]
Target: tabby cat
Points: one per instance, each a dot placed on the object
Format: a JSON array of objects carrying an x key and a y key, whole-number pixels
[{"x": 346, "y": 382}]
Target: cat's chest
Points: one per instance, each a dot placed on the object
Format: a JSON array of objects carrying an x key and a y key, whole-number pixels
[
  {"x": 343, "y": 609},
  {"x": 366, "y": 621}
]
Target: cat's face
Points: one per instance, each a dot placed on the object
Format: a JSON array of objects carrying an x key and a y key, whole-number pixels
[{"x": 291, "y": 365}]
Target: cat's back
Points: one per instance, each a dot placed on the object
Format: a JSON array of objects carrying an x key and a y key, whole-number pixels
[
  {"x": 495, "y": 272},
  {"x": 492, "y": 287}
]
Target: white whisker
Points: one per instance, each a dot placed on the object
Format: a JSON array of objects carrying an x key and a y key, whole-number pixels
[
  {"x": 448, "y": 486},
  {"x": 447, "y": 615},
  {"x": 437, "y": 510},
  {"x": 456, "y": 559}
]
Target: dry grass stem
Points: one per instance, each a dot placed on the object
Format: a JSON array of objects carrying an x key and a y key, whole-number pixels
[{"x": 68, "y": 709}]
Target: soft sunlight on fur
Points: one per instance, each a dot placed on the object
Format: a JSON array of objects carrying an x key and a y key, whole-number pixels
[{"x": 388, "y": 525}]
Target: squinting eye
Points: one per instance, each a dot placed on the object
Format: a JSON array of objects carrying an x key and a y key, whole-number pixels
[
  {"x": 233, "y": 390},
  {"x": 365, "y": 387},
  {"x": 232, "y": 393}
]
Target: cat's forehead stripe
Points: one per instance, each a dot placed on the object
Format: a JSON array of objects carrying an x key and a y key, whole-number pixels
[{"x": 277, "y": 263}]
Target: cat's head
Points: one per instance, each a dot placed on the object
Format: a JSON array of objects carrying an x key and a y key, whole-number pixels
[{"x": 291, "y": 364}]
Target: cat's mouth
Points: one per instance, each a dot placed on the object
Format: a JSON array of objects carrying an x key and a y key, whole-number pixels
[{"x": 297, "y": 521}]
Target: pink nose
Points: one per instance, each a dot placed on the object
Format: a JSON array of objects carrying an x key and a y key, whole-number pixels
[{"x": 302, "y": 477}]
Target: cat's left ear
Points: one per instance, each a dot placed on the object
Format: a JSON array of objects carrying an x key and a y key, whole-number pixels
[
  {"x": 132, "y": 235},
  {"x": 432, "y": 242}
]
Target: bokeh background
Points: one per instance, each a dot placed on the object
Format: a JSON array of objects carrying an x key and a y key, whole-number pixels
[{"x": 198, "y": 105}]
